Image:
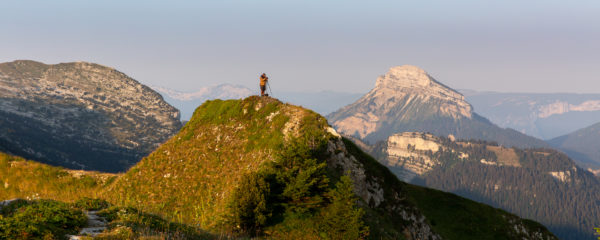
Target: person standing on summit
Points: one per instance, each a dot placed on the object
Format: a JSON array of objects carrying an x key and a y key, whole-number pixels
[{"x": 263, "y": 84}]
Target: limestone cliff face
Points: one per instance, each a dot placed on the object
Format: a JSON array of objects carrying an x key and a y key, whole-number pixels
[
  {"x": 408, "y": 154},
  {"x": 404, "y": 154},
  {"x": 407, "y": 99},
  {"x": 80, "y": 115}
]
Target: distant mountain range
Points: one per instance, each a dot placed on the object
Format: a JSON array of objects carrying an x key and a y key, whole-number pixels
[
  {"x": 569, "y": 122},
  {"x": 80, "y": 115},
  {"x": 542, "y": 115},
  {"x": 322, "y": 102},
  {"x": 187, "y": 102},
  {"x": 408, "y": 99}
]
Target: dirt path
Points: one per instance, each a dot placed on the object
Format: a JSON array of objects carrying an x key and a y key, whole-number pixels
[{"x": 95, "y": 225}]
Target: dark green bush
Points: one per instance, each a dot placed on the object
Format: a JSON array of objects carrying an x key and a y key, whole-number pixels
[
  {"x": 41, "y": 219},
  {"x": 249, "y": 206},
  {"x": 131, "y": 223}
]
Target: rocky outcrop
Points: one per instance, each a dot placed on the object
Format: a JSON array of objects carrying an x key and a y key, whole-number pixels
[
  {"x": 367, "y": 189},
  {"x": 404, "y": 154},
  {"x": 370, "y": 189},
  {"x": 80, "y": 115},
  {"x": 8, "y": 202},
  {"x": 408, "y": 154}
]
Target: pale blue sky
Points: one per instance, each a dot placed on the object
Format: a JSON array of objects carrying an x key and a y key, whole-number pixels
[{"x": 509, "y": 45}]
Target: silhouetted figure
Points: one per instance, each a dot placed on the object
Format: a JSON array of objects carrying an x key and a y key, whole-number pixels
[{"x": 263, "y": 84}]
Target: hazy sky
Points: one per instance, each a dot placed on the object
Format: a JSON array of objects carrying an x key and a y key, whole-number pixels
[{"x": 507, "y": 45}]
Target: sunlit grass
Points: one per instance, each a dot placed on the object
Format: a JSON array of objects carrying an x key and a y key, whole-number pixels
[{"x": 25, "y": 179}]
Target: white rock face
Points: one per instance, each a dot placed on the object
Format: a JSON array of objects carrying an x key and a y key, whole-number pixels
[
  {"x": 563, "y": 176},
  {"x": 488, "y": 162},
  {"x": 418, "y": 141},
  {"x": 561, "y": 107},
  {"x": 405, "y": 154}
]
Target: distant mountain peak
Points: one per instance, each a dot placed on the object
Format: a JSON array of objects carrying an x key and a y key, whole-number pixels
[
  {"x": 407, "y": 98},
  {"x": 404, "y": 92}
]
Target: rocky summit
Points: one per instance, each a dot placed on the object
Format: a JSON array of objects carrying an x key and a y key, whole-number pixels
[
  {"x": 415, "y": 83},
  {"x": 406, "y": 98},
  {"x": 80, "y": 115}
]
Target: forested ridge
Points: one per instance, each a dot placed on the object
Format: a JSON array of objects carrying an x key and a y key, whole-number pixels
[{"x": 568, "y": 202}]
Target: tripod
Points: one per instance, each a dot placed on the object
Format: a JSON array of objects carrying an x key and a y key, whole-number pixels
[{"x": 269, "y": 88}]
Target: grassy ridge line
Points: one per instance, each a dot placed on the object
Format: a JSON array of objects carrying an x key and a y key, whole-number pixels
[{"x": 20, "y": 178}]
